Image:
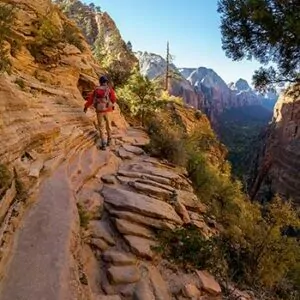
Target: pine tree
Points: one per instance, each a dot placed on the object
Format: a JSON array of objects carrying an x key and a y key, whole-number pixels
[{"x": 268, "y": 31}]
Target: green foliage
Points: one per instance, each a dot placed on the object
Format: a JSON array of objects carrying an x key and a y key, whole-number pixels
[
  {"x": 165, "y": 96},
  {"x": 83, "y": 15},
  {"x": 5, "y": 178},
  {"x": 268, "y": 31},
  {"x": 72, "y": 36},
  {"x": 6, "y": 20},
  {"x": 167, "y": 139},
  {"x": 21, "y": 83},
  {"x": 240, "y": 130},
  {"x": 253, "y": 247},
  {"x": 48, "y": 34},
  {"x": 84, "y": 216},
  {"x": 140, "y": 95},
  {"x": 190, "y": 249},
  {"x": 198, "y": 114}
]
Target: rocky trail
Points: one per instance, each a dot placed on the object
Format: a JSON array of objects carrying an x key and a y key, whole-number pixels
[{"x": 125, "y": 196}]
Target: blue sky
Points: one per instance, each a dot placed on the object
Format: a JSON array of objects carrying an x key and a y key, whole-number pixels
[{"x": 191, "y": 26}]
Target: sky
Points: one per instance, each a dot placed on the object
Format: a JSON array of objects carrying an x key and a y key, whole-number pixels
[{"x": 192, "y": 28}]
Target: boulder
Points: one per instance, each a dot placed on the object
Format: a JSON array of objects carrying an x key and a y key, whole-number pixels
[
  {"x": 133, "y": 149},
  {"x": 99, "y": 244},
  {"x": 160, "y": 287},
  {"x": 123, "y": 274},
  {"x": 182, "y": 211},
  {"x": 191, "y": 291},
  {"x": 128, "y": 228},
  {"x": 140, "y": 246},
  {"x": 140, "y": 219},
  {"x": 99, "y": 229},
  {"x": 208, "y": 283},
  {"x": 190, "y": 200},
  {"x": 133, "y": 202},
  {"x": 143, "y": 291},
  {"x": 124, "y": 154},
  {"x": 118, "y": 258},
  {"x": 151, "y": 190}
]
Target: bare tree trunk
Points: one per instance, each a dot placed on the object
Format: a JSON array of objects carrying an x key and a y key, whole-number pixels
[{"x": 167, "y": 67}]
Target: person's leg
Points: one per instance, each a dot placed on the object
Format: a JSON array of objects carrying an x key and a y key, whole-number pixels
[
  {"x": 108, "y": 128},
  {"x": 100, "y": 118}
]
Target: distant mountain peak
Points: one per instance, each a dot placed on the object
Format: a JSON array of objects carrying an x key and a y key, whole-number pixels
[{"x": 242, "y": 85}]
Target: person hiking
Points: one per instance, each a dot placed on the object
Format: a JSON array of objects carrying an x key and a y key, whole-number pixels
[{"x": 103, "y": 99}]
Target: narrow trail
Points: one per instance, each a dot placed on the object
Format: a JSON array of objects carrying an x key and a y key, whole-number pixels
[
  {"x": 40, "y": 265},
  {"x": 127, "y": 196}
]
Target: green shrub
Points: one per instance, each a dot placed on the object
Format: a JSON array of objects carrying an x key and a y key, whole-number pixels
[
  {"x": 167, "y": 140},
  {"x": 190, "y": 249},
  {"x": 6, "y": 20},
  {"x": 198, "y": 114},
  {"x": 5, "y": 178},
  {"x": 20, "y": 82},
  {"x": 72, "y": 36},
  {"x": 253, "y": 248},
  {"x": 84, "y": 216}
]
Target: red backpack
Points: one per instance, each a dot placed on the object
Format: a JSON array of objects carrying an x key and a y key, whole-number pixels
[{"x": 101, "y": 100}]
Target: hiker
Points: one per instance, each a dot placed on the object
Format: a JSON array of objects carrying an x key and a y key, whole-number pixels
[{"x": 102, "y": 98}]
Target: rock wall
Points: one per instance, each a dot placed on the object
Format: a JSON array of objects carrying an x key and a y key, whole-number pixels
[
  {"x": 42, "y": 123},
  {"x": 278, "y": 163}
]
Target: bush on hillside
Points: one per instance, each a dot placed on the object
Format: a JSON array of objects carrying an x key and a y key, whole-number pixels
[
  {"x": 253, "y": 248},
  {"x": 71, "y": 35},
  {"x": 5, "y": 178},
  {"x": 139, "y": 94},
  {"x": 6, "y": 20}
]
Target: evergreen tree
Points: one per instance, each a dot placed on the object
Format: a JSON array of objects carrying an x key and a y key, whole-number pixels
[{"x": 268, "y": 31}]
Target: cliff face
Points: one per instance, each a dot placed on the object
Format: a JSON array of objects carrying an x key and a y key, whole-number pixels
[
  {"x": 101, "y": 33},
  {"x": 154, "y": 67},
  {"x": 278, "y": 164},
  {"x": 202, "y": 88}
]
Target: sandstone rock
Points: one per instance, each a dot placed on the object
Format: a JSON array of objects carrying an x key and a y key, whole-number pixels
[
  {"x": 160, "y": 172},
  {"x": 144, "y": 205},
  {"x": 36, "y": 168},
  {"x": 123, "y": 274},
  {"x": 159, "y": 285},
  {"x": 91, "y": 201},
  {"x": 151, "y": 190},
  {"x": 208, "y": 283},
  {"x": 99, "y": 229},
  {"x": 110, "y": 297},
  {"x": 109, "y": 179},
  {"x": 140, "y": 246},
  {"x": 133, "y": 149},
  {"x": 99, "y": 244},
  {"x": 143, "y": 291},
  {"x": 158, "y": 179},
  {"x": 118, "y": 258},
  {"x": 156, "y": 184},
  {"x": 140, "y": 219},
  {"x": 128, "y": 228},
  {"x": 190, "y": 200},
  {"x": 124, "y": 154},
  {"x": 182, "y": 211},
  {"x": 191, "y": 291}
]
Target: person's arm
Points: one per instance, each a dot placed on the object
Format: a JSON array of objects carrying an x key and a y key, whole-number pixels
[
  {"x": 89, "y": 101},
  {"x": 112, "y": 96}
]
